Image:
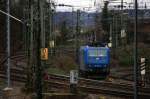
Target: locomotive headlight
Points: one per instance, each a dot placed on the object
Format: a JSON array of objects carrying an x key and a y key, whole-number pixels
[
  {"x": 97, "y": 58},
  {"x": 101, "y": 55},
  {"x": 110, "y": 45}
]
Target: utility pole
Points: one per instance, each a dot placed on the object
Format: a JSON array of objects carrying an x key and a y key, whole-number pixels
[
  {"x": 72, "y": 20},
  {"x": 8, "y": 43},
  {"x": 122, "y": 26},
  {"x": 42, "y": 22},
  {"x": 50, "y": 26},
  {"x": 36, "y": 39},
  {"x": 77, "y": 35},
  {"x": 29, "y": 31},
  {"x": 116, "y": 31},
  {"x": 52, "y": 37},
  {"x": 31, "y": 57},
  {"x": 110, "y": 33},
  {"x": 121, "y": 14},
  {"x": 38, "y": 60},
  {"x": 114, "y": 34},
  {"x": 135, "y": 52},
  {"x": 113, "y": 29}
]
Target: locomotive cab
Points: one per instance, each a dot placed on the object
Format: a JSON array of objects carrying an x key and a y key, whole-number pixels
[{"x": 94, "y": 61}]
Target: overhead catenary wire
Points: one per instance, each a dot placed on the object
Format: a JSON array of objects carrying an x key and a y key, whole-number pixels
[{"x": 11, "y": 16}]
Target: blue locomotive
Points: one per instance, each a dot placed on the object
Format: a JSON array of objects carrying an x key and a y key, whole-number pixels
[{"x": 94, "y": 61}]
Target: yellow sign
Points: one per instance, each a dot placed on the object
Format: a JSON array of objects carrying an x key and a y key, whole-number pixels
[{"x": 44, "y": 53}]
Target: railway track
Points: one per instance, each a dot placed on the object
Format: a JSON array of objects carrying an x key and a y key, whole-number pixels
[
  {"x": 17, "y": 72},
  {"x": 15, "y": 75},
  {"x": 96, "y": 90},
  {"x": 99, "y": 87},
  {"x": 85, "y": 85}
]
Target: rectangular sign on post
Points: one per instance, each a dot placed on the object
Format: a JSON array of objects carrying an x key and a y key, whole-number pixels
[
  {"x": 44, "y": 53},
  {"x": 123, "y": 33},
  {"x": 73, "y": 77},
  {"x": 51, "y": 44}
]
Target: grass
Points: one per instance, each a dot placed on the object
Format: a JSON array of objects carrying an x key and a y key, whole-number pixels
[
  {"x": 125, "y": 54},
  {"x": 2, "y": 82},
  {"x": 56, "y": 71},
  {"x": 62, "y": 64}
]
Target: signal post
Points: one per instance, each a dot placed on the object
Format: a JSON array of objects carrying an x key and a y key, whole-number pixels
[{"x": 143, "y": 71}]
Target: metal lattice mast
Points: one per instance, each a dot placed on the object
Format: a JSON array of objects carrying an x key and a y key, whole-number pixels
[
  {"x": 29, "y": 35},
  {"x": 36, "y": 15}
]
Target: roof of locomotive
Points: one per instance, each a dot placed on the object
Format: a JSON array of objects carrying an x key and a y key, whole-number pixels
[{"x": 89, "y": 47}]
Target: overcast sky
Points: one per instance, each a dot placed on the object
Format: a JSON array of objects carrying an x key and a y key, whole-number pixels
[
  {"x": 79, "y": 4},
  {"x": 92, "y": 4}
]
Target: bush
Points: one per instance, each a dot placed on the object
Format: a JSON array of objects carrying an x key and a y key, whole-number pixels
[
  {"x": 63, "y": 64},
  {"x": 125, "y": 55}
]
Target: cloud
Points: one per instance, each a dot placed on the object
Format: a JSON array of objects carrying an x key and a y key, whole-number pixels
[
  {"x": 91, "y": 3},
  {"x": 78, "y": 4}
]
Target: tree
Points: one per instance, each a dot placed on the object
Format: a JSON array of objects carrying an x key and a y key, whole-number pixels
[
  {"x": 64, "y": 31},
  {"x": 105, "y": 21},
  {"x": 99, "y": 32}
]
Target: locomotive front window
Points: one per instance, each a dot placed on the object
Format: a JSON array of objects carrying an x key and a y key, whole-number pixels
[
  {"x": 97, "y": 52},
  {"x": 92, "y": 53},
  {"x": 102, "y": 52}
]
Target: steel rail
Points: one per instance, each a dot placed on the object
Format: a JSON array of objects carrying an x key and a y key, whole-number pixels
[{"x": 85, "y": 85}]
